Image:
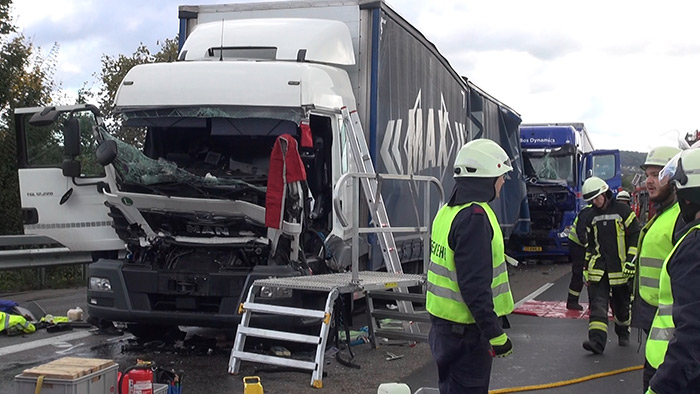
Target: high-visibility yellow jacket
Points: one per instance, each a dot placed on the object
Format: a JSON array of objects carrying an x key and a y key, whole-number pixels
[
  {"x": 444, "y": 297},
  {"x": 15, "y": 324}
]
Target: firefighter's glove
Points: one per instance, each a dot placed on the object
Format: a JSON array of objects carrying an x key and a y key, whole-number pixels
[
  {"x": 629, "y": 269},
  {"x": 501, "y": 346}
]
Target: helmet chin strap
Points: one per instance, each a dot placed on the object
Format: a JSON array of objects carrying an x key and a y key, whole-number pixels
[
  {"x": 689, "y": 210},
  {"x": 495, "y": 193}
]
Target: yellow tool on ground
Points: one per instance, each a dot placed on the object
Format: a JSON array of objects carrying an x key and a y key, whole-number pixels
[{"x": 252, "y": 385}]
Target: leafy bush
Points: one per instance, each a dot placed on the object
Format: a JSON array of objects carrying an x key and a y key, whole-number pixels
[{"x": 28, "y": 279}]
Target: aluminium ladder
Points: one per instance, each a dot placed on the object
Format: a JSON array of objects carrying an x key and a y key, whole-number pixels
[
  {"x": 377, "y": 209},
  {"x": 335, "y": 284}
]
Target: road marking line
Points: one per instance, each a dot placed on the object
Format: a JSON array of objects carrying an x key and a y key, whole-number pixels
[
  {"x": 43, "y": 342},
  {"x": 70, "y": 349},
  {"x": 534, "y": 294}
]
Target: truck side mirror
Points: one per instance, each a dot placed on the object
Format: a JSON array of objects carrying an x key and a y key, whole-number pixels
[
  {"x": 106, "y": 152},
  {"x": 71, "y": 137},
  {"x": 44, "y": 118},
  {"x": 70, "y": 168}
]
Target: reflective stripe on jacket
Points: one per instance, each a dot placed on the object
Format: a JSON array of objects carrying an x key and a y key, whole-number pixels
[{"x": 578, "y": 231}]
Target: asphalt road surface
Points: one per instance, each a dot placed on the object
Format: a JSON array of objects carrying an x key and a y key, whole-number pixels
[{"x": 204, "y": 354}]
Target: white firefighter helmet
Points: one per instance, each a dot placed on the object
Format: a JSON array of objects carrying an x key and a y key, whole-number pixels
[
  {"x": 659, "y": 156},
  {"x": 481, "y": 158},
  {"x": 683, "y": 170},
  {"x": 623, "y": 196},
  {"x": 593, "y": 187}
]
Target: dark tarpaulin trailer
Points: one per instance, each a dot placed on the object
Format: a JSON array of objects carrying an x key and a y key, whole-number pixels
[
  {"x": 494, "y": 120},
  {"x": 421, "y": 112}
]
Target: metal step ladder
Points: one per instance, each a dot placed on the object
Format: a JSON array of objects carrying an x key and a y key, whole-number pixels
[
  {"x": 343, "y": 283},
  {"x": 330, "y": 284},
  {"x": 249, "y": 307}
]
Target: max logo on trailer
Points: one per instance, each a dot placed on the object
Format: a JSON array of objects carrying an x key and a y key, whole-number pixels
[{"x": 422, "y": 147}]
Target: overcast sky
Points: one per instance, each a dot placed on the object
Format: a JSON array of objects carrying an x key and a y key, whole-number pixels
[{"x": 629, "y": 70}]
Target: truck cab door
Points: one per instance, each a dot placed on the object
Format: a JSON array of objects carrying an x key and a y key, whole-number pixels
[
  {"x": 60, "y": 180},
  {"x": 342, "y": 164},
  {"x": 605, "y": 164}
]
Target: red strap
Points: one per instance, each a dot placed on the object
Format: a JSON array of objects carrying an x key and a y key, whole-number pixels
[
  {"x": 478, "y": 209},
  {"x": 306, "y": 136}
]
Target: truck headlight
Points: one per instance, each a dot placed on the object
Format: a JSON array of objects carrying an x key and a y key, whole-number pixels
[
  {"x": 275, "y": 292},
  {"x": 101, "y": 284}
]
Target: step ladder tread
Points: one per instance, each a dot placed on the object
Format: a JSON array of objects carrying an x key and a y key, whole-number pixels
[
  {"x": 281, "y": 361},
  {"x": 399, "y": 334},
  {"x": 283, "y": 310},
  {"x": 384, "y": 314},
  {"x": 391, "y": 295},
  {"x": 281, "y": 335}
]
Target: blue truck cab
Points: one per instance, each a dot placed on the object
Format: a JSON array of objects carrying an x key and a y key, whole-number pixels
[{"x": 557, "y": 159}]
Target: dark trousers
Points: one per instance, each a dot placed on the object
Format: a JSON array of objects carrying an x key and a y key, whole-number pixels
[
  {"x": 577, "y": 253},
  {"x": 599, "y": 298},
  {"x": 693, "y": 386},
  {"x": 648, "y": 373},
  {"x": 462, "y": 357}
]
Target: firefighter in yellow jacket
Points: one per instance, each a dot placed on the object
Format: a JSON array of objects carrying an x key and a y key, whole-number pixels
[
  {"x": 655, "y": 244},
  {"x": 673, "y": 345},
  {"x": 612, "y": 231},
  {"x": 468, "y": 287},
  {"x": 15, "y": 324}
]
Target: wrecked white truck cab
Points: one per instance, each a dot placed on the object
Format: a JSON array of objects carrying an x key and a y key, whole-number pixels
[{"x": 195, "y": 201}]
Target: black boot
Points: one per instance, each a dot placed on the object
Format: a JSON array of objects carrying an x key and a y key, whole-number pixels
[
  {"x": 623, "y": 339},
  {"x": 572, "y": 303},
  {"x": 593, "y": 346}
]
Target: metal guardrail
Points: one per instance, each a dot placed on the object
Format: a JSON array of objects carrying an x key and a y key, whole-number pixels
[{"x": 51, "y": 254}]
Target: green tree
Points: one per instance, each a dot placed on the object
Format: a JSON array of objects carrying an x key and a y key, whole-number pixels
[
  {"x": 114, "y": 69},
  {"x": 26, "y": 79}
]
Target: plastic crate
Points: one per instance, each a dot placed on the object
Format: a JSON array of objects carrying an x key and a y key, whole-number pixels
[
  {"x": 160, "y": 388},
  {"x": 103, "y": 381}
]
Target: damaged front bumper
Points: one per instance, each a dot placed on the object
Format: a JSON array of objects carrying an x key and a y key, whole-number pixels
[{"x": 139, "y": 294}]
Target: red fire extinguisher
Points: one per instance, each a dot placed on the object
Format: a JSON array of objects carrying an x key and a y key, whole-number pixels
[{"x": 137, "y": 379}]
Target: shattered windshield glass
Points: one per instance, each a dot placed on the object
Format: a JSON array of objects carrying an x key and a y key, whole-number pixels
[
  {"x": 221, "y": 151},
  {"x": 549, "y": 167},
  {"x": 135, "y": 167}
]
